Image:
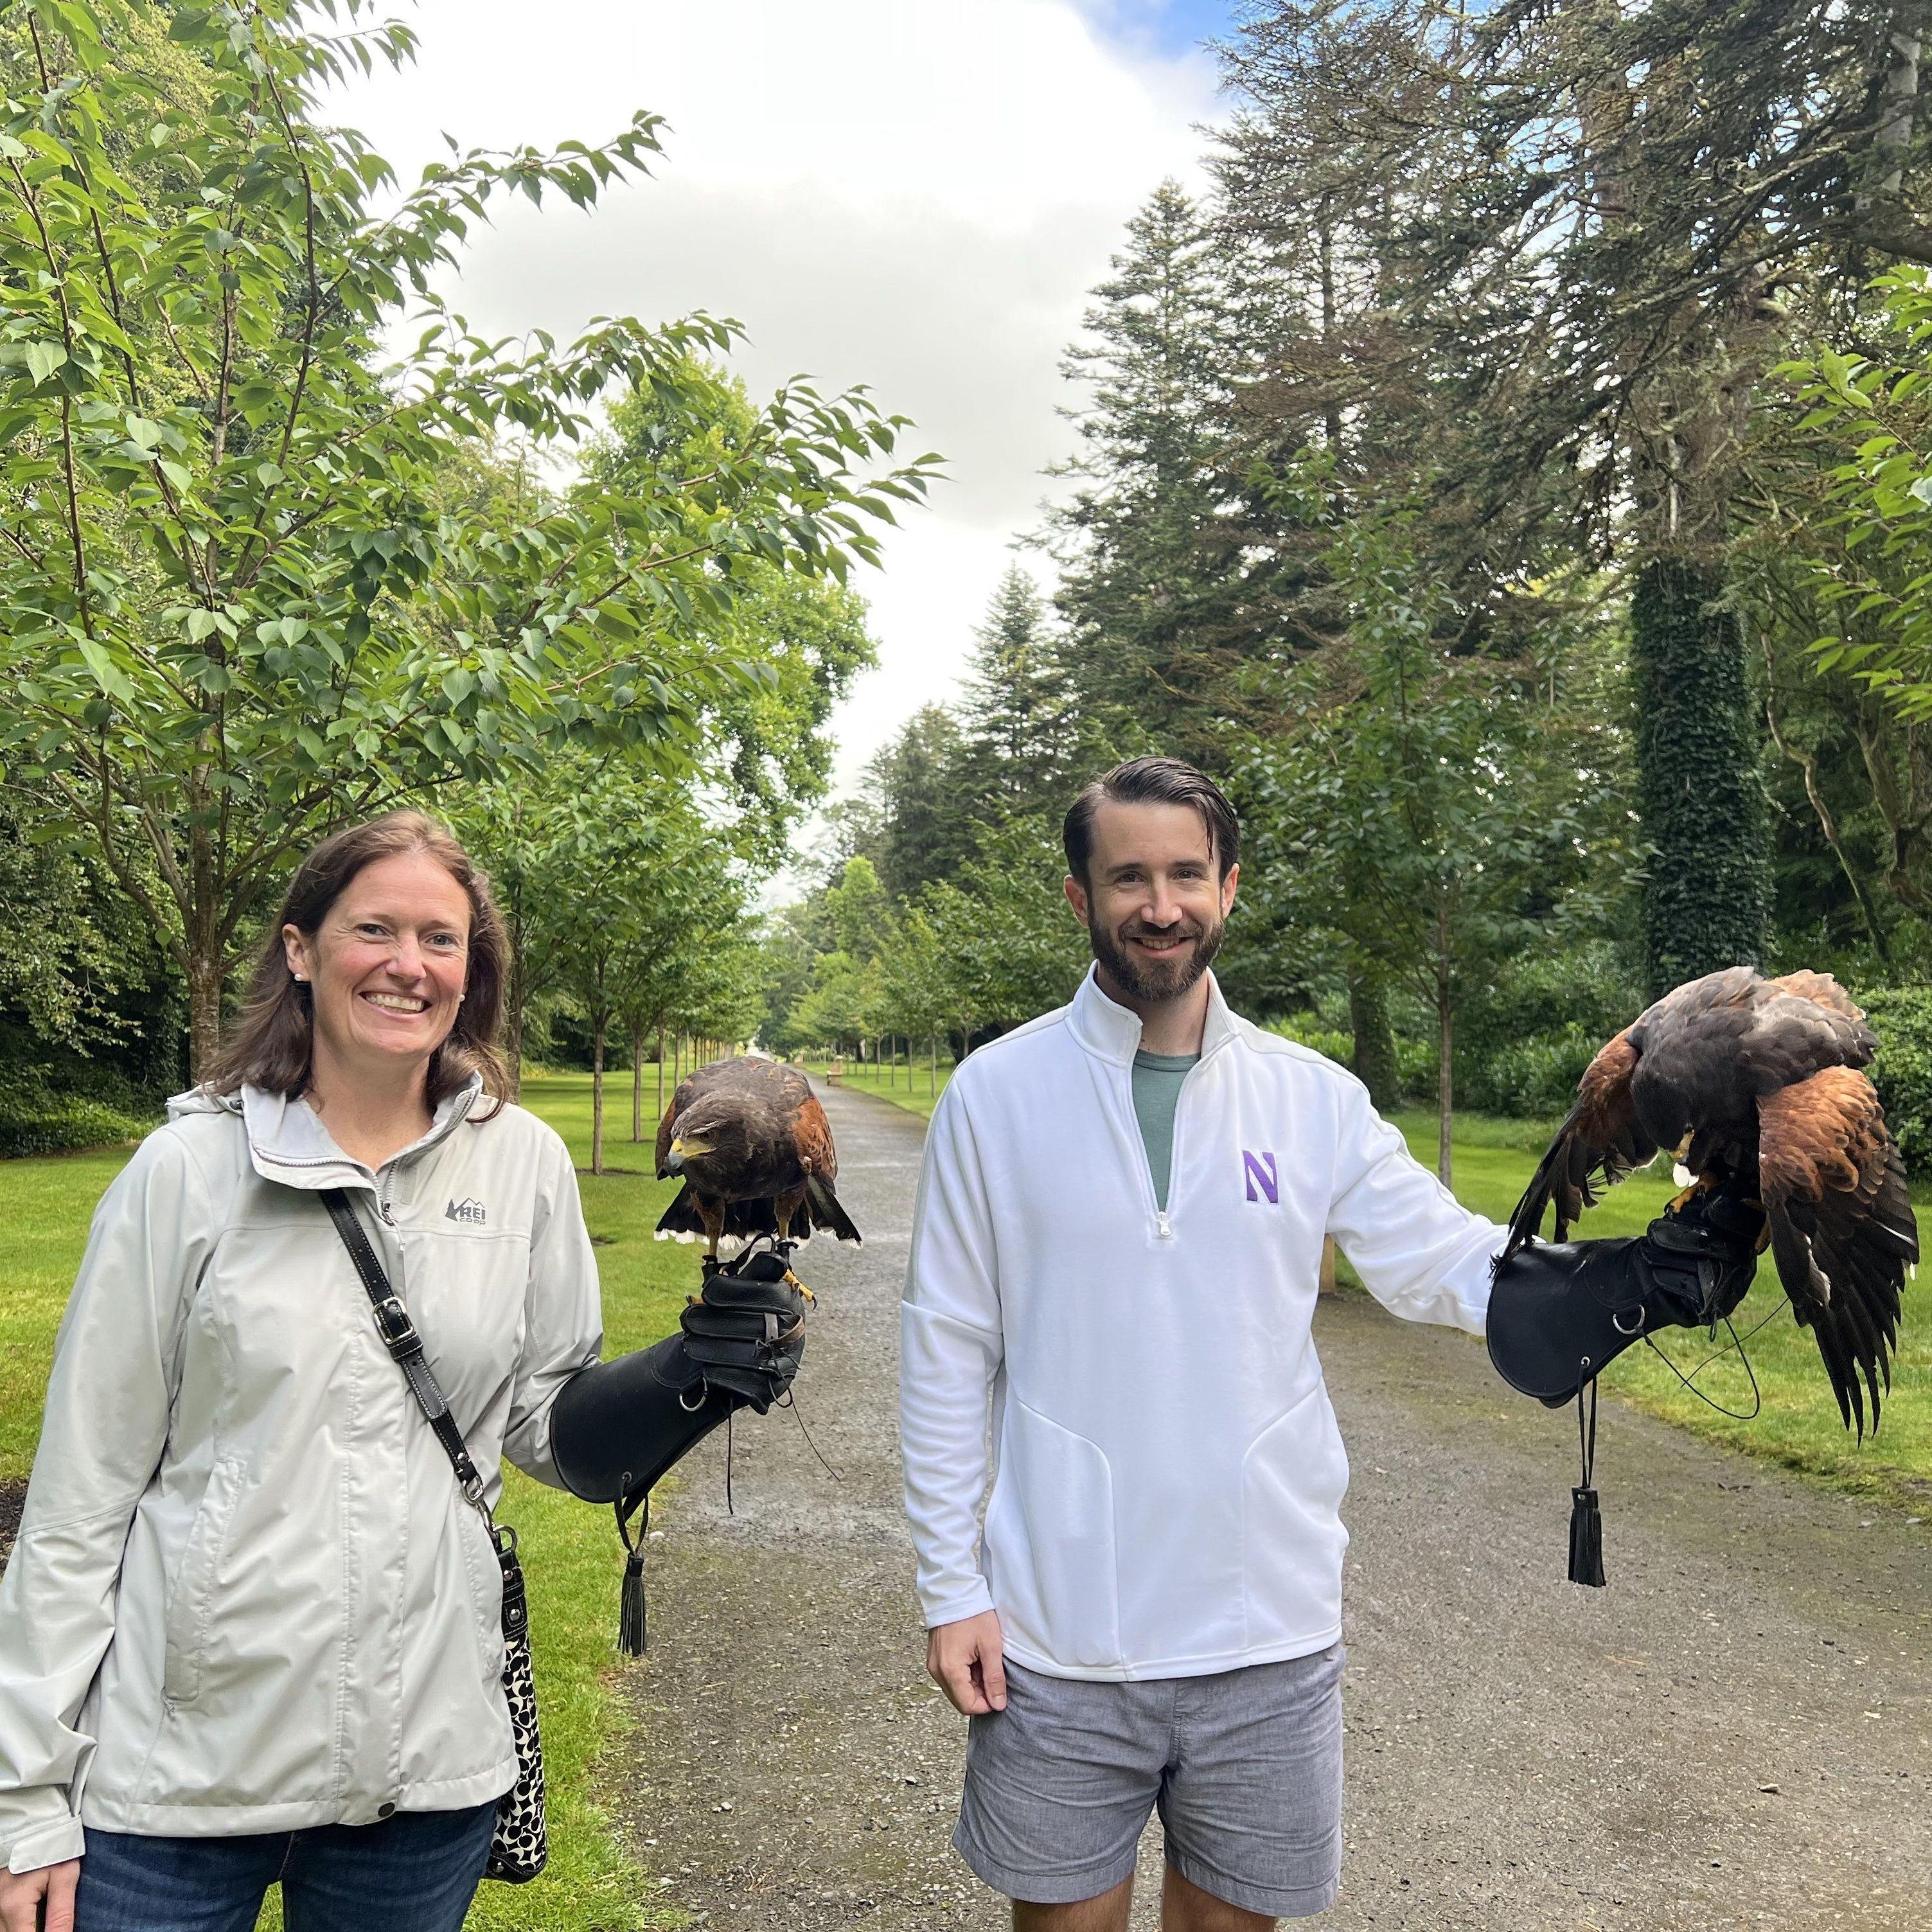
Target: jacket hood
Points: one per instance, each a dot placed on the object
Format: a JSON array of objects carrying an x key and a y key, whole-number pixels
[
  {"x": 287, "y": 1141},
  {"x": 1112, "y": 1032}
]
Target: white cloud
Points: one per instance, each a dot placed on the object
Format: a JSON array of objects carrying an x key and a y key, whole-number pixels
[{"x": 913, "y": 195}]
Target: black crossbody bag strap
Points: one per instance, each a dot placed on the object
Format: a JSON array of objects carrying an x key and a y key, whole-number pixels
[{"x": 405, "y": 1346}]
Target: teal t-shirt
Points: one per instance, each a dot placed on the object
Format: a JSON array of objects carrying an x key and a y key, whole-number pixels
[{"x": 1157, "y": 1078}]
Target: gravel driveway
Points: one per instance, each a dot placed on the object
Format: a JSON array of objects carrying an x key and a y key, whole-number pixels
[{"x": 1734, "y": 1733}]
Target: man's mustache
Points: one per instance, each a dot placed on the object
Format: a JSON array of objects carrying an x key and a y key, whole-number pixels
[{"x": 1160, "y": 932}]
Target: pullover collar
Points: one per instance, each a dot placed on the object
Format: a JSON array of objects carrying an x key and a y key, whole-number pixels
[
  {"x": 1112, "y": 1032},
  {"x": 288, "y": 1143}
]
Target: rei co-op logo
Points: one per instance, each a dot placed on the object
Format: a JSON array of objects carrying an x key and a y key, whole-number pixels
[
  {"x": 471, "y": 1211},
  {"x": 1260, "y": 1172}
]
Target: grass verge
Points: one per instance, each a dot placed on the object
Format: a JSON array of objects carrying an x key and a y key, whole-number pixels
[{"x": 571, "y": 1551}]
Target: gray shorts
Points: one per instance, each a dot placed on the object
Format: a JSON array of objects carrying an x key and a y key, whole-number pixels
[{"x": 1245, "y": 1768}]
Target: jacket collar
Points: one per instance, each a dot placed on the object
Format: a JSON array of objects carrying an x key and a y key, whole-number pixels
[
  {"x": 1112, "y": 1032},
  {"x": 288, "y": 1143}
]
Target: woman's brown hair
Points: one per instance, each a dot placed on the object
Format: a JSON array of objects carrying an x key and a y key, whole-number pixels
[{"x": 272, "y": 1046}]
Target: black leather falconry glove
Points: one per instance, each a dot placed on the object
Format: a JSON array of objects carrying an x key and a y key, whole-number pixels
[
  {"x": 1559, "y": 1313},
  {"x": 618, "y": 1427}
]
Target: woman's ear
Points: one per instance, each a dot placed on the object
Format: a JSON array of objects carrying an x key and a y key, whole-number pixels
[{"x": 294, "y": 949}]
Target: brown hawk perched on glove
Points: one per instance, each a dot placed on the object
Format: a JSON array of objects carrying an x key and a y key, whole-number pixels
[
  {"x": 753, "y": 1149},
  {"x": 1757, "y": 1082}
]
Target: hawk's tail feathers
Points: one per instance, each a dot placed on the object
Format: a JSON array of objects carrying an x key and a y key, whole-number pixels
[{"x": 825, "y": 1211}]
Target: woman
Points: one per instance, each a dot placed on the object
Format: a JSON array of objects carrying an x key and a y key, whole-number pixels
[{"x": 250, "y": 1632}]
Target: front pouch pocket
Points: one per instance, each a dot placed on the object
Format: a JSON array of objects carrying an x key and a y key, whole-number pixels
[
  {"x": 190, "y": 1597},
  {"x": 1050, "y": 1540},
  {"x": 1293, "y": 1479}
]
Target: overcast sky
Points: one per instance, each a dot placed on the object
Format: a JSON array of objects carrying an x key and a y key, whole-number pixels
[{"x": 914, "y": 194}]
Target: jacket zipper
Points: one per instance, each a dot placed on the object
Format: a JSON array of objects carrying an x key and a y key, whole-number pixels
[{"x": 1163, "y": 1223}]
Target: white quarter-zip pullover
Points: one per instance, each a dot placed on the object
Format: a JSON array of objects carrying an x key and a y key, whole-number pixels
[{"x": 1167, "y": 1475}]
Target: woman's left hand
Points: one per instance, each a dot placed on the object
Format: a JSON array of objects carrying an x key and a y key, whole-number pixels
[{"x": 21, "y": 1893}]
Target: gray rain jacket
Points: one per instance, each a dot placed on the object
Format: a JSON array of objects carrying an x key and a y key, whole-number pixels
[{"x": 246, "y": 1594}]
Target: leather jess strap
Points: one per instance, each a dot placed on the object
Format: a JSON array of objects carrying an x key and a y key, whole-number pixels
[{"x": 404, "y": 1344}]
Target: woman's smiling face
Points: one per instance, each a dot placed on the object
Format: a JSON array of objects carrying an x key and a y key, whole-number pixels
[{"x": 387, "y": 965}]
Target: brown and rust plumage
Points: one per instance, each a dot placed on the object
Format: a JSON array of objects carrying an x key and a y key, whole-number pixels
[
  {"x": 1741, "y": 1075},
  {"x": 755, "y": 1149}
]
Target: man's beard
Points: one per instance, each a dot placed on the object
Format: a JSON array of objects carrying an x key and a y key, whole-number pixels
[{"x": 1156, "y": 980}]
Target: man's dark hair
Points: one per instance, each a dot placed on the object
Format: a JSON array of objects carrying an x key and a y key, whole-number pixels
[{"x": 1153, "y": 782}]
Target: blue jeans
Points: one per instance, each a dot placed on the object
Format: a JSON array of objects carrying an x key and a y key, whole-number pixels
[{"x": 416, "y": 1872}]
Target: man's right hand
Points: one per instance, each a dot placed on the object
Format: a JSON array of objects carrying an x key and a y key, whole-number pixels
[
  {"x": 21, "y": 1893},
  {"x": 967, "y": 1661}
]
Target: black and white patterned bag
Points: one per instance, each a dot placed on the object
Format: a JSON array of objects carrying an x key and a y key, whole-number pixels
[
  {"x": 520, "y": 1842},
  {"x": 520, "y": 1846}
]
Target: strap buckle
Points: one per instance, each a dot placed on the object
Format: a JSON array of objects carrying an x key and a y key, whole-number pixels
[{"x": 392, "y": 1320}]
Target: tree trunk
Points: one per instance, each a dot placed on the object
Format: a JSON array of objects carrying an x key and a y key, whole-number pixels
[
  {"x": 513, "y": 1038},
  {"x": 1698, "y": 795},
  {"x": 1445, "y": 1075},
  {"x": 637, "y": 1083},
  {"x": 1806, "y": 762},
  {"x": 661, "y": 1091},
  {"x": 204, "y": 1008},
  {"x": 597, "y": 1098},
  {"x": 934, "y": 1080},
  {"x": 1373, "y": 1059}
]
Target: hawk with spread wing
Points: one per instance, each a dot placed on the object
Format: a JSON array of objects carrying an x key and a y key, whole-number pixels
[
  {"x": 753, "y": 1149},
  {"x": 1757, "y": 1081}
]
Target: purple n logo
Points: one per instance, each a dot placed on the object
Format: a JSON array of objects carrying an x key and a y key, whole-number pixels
[{"x": 1262, "y": 1176}]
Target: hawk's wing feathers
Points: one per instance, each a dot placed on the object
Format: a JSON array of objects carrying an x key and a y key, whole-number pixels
[
  {"x": 1601, "y": 1140},
  {"x": 1842, "y": 1228}
]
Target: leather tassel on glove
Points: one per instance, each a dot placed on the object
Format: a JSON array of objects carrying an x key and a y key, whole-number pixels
[
  {"x": 1586, "y": 1540},
  {"x": 633, "y": 1622},
  {"x": 1586, "y": 1519}
]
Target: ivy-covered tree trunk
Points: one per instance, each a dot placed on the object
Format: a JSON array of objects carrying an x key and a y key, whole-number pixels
[
  {"x": 1373, "y": 1058},
  {"x": 1698, "y": 794}
]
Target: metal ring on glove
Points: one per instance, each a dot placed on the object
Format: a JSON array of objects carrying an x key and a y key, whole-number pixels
[
  {"x": 1617, "y": 1320},
  {"x": 703, "y": 1389}
]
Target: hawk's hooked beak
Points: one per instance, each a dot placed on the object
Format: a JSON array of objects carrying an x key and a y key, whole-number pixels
[{"x": 681, "y": 1151}]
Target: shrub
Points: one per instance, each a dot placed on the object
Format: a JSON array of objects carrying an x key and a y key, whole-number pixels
[
  {"x": 1523, "y": 1040},
  {"x": 1307, "y": 1030},
  {"x": 36, "y": 1119},
  {"x": 1537, "y": 1078},
  {"x": 1901, "y": 1016}
]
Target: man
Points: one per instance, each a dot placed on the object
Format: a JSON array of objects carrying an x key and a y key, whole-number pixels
[
  {"x": 1118, "y": 1237},
  {"x": 1120, "y": 1234}
]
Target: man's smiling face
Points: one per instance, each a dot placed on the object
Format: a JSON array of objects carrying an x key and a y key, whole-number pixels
[{"x": 1153, "y": 903}]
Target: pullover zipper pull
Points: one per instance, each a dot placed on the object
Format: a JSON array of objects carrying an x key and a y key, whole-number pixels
[{"x": 1162, "y": 1226}]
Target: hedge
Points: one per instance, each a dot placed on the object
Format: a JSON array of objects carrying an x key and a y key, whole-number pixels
[
  {"x": 1901, "y": 1016},
  {"x": 35, "y": 1118}
]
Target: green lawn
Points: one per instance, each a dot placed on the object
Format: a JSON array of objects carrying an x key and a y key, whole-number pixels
[{"x": 572, "y": 1553}]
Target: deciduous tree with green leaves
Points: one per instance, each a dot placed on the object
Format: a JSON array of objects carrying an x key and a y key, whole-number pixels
[
  {"x": 235, "y": 609},
  {"x": 1421, "y": 810}
]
